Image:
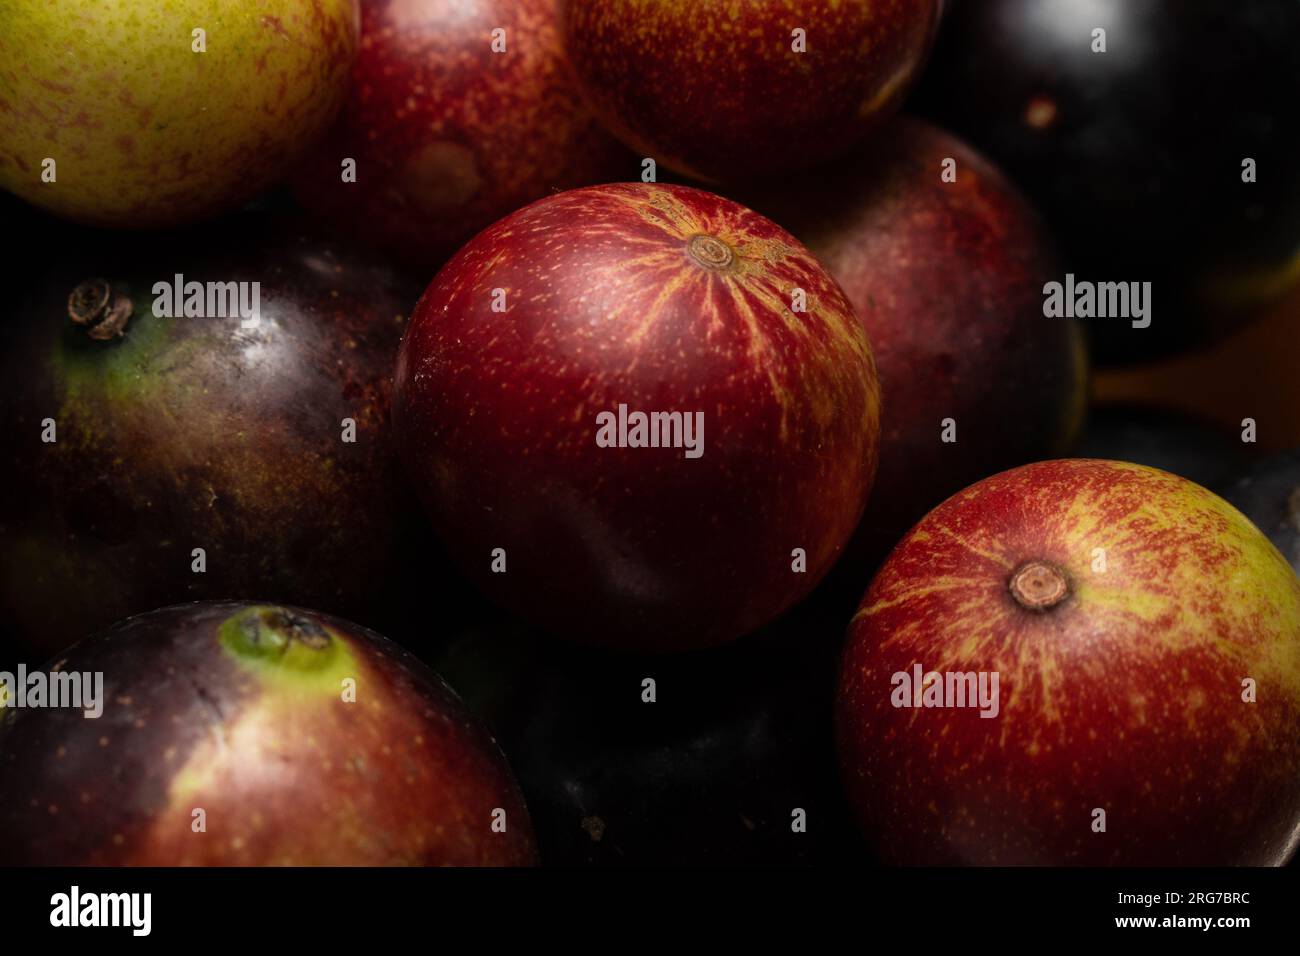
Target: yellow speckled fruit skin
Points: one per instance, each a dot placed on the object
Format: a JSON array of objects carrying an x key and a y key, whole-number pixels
[
  {"x": 144, "y": 131},
  {"x": 1126, "y": 696},
  {"x": 615, "y": 301}
]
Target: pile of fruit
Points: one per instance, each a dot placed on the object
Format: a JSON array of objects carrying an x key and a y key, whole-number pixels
[{"x": 601, "y": 354}]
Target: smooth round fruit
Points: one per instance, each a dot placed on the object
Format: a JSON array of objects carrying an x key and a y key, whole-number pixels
[
  {"x": 947, "y": 277},
  {"x": 304, "y": 740},
  {"x": 1135, "y": 155},
  {"x": 592, "y": 306},
  {"x": 724, "y": 91},
  {"x": 128, "y": 452},
  {"x": 145, "y": 131},
  {"x": 450, "y": 132},
  {"x": 1146, "y": 641},
  {"x": 1269, "y": 495}
]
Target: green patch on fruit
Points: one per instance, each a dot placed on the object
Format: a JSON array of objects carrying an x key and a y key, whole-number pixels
[
  {"x": 287, "y": 649},
  {"x": 100, "y": 379},
  {"x": 114, "y": 371}
]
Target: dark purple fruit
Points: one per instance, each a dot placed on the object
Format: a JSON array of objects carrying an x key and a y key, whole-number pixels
[
  {"x": 176, "y": 434},
  {"x": 711, "y": 773},
  {"x": 252, "y": 735},
  {"x": 947, "y": 277},
  {"x": 1269, "y": 495},
  {"x": 1135, "y": 155}
]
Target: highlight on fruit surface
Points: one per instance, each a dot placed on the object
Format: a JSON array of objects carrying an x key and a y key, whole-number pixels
[
  {"x": 199, "y": 416},
  {"x": 724, "y": 91},
  {"x": 147, "y": 113},
  {"x": 1077, "y": 662},
  {"x": 247, "y": 735},
  {"x": 641, "y": 415},
  {"x": 944, "y": 262},
  {"x": 458, "y": 114}
]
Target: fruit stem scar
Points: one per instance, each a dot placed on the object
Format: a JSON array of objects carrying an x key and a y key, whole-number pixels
[
  {"x": 279, "y": 636},
  {"x": 710, "y": 252},
  {"x": 94, "y": 307},
  {"x": 289, "y": 650},
  {"x": 1039, "y": 586},
  {"x": 277, "y": 627}
]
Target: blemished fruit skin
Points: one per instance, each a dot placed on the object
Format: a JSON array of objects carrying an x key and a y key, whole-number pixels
[
  {"x": 144, "y": 131},
  {"x": 1135, "y": 155},
  {"x": 240, "y": 710},
  {"x": 1122, "y": 690},
  {"x": 1269, "y": 495},
  {"x": 662, "y": 299},
  {"x": 450, "y": 135},
  {"x": 947, "y": 278},
  {"x": 195, "y": 432},
  {"x": 716, "y": 89}
]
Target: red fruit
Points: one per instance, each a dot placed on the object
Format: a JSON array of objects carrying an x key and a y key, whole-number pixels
[
  {"x": 448, "y": 135},
  {"x": 717, "y": 89},
  {"x": 947, "y": 278},
  {"x": 662, "y": 299},
  {"x": 1122, "y": 610},
  {"x": 242, "y": 711}
]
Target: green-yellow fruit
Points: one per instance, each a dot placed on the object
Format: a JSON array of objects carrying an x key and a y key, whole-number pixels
[{"x": 146, "y": 113}]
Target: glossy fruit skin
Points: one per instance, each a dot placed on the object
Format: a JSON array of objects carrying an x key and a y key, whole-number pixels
[
  {"x": 662, "y": 298},
  {"x": 1135, "y": 155},
  {"x": 1269, "y": 495},
  {"x": 202, "y": 711},
  {"x": 147, "y": 133},
  {"x": 449, "y": 136},
  {"x": 1126, "y": 696},
  {"x": 1158, "y": 438},
  {"x": 715, "y": 90},
  {"x": 197, "y": 433},
  {"x": 947, "y": 278}
]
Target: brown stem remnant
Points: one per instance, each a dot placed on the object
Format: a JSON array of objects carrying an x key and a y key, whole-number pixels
[
  {"x": 102, "y": 313},
  {"x": 710, "y": 252},
  {"x": 1039, "y": 586},
  {"x": 282, "y": 626}
]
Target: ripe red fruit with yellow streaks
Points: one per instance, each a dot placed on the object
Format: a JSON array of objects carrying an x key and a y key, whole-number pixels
[
  {"x": 1122, "y": 609},
  {"x": 240, "y": 710},
  {"x": 449, "y": 134},
  {"x": 948, "y": 279},
  {"x": 663, "y": 300},
  {"x": 722, "y": 91}
]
